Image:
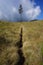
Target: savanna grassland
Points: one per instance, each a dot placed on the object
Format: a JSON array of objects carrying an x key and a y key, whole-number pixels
[{"x": 32, "y": 42}]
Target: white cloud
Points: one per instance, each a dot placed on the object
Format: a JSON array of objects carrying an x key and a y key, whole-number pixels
[
  {"x": 14, "y": 9},
  {"x": 32, "y": 10},
  {"x": 33, "y": 13},
  {"x": 9, "y": 9},
  {"x": 1, "y": 15}
]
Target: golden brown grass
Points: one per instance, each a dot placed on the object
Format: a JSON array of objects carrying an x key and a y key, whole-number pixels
[{"x": 32, "y": 42}]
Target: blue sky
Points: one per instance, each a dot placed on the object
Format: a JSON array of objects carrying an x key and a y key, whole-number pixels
[
  {"x": 32, "y": 9},
  {"x": 40, "y": 3}
]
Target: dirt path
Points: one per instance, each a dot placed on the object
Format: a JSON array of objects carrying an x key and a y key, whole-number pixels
[{"x": 20, "y": 52}]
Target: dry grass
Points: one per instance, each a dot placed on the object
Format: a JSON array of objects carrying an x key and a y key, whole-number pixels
[{"x": 32, "y": 42}]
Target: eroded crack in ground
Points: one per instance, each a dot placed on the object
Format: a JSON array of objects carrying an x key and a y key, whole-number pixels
[{"x": 20, "y": 52}]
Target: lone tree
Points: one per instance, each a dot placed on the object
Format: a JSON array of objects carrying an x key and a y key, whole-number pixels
[{"x": 20, "y": 12}]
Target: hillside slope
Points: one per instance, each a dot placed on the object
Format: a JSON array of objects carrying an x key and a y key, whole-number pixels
[{"x": 32, "y": 42}]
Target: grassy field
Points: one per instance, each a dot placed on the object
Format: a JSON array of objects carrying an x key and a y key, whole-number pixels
[{"x": 32, "y": 38}]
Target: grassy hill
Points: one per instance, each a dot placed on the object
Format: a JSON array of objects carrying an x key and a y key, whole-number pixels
[{"x": 32, "y": 42}]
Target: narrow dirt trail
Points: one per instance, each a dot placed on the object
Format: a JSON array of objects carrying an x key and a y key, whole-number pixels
[{"x": 20, "y": 52}]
